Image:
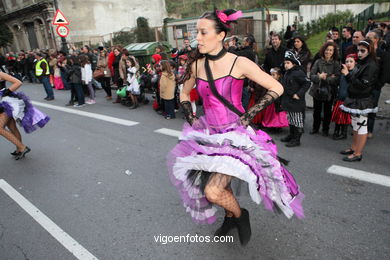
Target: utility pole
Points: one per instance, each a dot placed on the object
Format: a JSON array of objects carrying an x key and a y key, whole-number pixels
[{"x": 64, "y": 46}]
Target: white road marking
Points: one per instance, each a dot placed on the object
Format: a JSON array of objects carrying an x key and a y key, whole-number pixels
[
  {"x": 167, "y": 131},
  {"x": 87, "y": 114},
  {"x": 360, "y": 175},
  {"x": 67, "y": 241}
]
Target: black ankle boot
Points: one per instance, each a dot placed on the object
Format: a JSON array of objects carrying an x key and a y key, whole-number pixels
[
  {"x": 244, "y": 227},
  {"x": 296, "y": 140},
  {"x": 227, "y": 225},
  {"x": 288, "y": 138}
]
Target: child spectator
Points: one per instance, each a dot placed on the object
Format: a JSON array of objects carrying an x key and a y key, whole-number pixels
[
  {"x": 167, "y": 89},
  {"x": 295, "y": 85},
  {"x": 132, "y": 81},
  {"x": 341, "y": 118}
]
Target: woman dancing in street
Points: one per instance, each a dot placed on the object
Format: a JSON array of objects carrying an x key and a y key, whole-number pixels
[
  {"x": 221, "y": 145},
  {"x": 16, "y": 107}
]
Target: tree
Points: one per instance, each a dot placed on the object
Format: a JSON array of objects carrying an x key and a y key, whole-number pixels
[
  {"x": 123, "y": 38},
  {"x": 6, "y": 37},
  {"x": 143, "y": 33}
]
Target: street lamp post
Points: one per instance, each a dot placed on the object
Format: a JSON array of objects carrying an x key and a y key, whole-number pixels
[{"x": 64, "y": 45}]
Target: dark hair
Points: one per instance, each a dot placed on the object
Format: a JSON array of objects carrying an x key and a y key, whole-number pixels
[
  {"x": 277, "y": 35},
  {"x": 132, "y": 62},
  {"x": 219, "y": 27},
  {"x": 125, "y": 52},
  {"x": 75, "y": 60},
  {"x": 84, "y": 60},
  {"x": 87, "y": 47},
  {"x": 165, "y": 66},
  {"x": 360, "y": 32},
  {"x": 173, "y": 64},
  {"x": 382, "y": 24},
  {"x": 369, "y": 45},
  {"x": 335, "y": 55},
  {"x": 304, "y": 45},
  {"x": 335, "y": 29},
  {"x": 349, "y": 29},
  {"x": 250, "y": 39}
]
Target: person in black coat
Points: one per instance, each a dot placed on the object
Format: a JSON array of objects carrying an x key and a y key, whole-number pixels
[
  {"x": 295, "y": 85},
  {"x": 359, "y": 101},
  {"x": 275, "y": 55},
  {"x": 248, "y": 52},
  {"x": 325, "y": 76}
]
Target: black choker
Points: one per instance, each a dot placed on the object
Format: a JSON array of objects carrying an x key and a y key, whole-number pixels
[{"x": 218, "y": 56}]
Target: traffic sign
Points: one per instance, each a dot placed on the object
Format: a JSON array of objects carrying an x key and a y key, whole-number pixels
[
  {"x": 59, "y": 19},
  {"x": 62, "y": 31}
]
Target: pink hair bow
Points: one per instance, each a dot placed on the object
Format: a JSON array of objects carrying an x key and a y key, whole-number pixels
[{"x": 225, "y": 18}]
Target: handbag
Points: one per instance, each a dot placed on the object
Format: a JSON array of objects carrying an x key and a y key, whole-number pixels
[
  {"x": 322, "y": 92},
  {"x": 98, "y": 73},
  {"x": 121, "y": 92}
]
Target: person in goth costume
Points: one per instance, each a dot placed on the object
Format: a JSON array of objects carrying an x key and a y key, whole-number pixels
[
  {"x": 220, "y": 145},
  {"x": 15, "y": 107}
]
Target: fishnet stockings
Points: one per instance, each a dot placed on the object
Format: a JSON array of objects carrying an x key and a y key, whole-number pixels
[
  {"x": 11, "y": 135},
  {"x": 218, "y": 191}
]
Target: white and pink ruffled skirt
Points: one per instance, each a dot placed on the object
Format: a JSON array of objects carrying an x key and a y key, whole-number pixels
[{"x": 243, "y": 153}]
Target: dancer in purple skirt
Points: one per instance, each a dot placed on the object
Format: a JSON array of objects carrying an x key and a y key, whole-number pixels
[
  {"x": 221, "y": 145},
  {"x": 16, "y": 107}
]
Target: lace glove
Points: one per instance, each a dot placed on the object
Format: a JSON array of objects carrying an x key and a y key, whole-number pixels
[
  {"x": 264, "y": 102},
  {"x": 186, "y": 105}
]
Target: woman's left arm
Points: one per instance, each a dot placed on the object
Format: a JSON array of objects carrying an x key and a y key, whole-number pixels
[
  {"x": 15, "y": 82},
  {"x": 250, "y": 70}
]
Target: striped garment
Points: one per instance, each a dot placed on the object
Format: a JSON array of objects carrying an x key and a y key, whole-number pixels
[{"x": 296, "y": 119}]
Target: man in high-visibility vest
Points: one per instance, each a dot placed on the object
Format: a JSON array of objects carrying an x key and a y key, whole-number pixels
[{"x": 42, "y": 72}]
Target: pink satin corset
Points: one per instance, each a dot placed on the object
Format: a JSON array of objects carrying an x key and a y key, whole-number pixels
[{"x": 216, "y": 113}]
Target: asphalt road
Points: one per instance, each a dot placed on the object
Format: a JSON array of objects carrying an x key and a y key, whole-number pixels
[{"x": 106, "y": 185}]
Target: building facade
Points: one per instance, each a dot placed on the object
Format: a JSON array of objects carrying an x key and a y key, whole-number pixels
[{"x": 92, "y": 21}]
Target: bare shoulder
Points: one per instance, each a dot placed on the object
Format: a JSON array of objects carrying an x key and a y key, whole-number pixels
[{"x": 244, "y": 61}]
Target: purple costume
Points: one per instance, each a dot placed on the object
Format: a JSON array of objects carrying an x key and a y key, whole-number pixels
[
  {"x": 217, "y": 142},
  {"x": 18, "y": 106}
]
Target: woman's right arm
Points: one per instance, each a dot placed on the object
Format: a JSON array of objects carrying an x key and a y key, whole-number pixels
[
  {"x": 185, "y": 97},
  {"x": 15, "y": 82}
]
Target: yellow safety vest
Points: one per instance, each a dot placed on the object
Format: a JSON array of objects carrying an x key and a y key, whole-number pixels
[{"x": 39, "y": 70}]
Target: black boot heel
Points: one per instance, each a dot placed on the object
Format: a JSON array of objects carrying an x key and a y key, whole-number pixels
[
  {"x": 227, "y": 225},
  {"x": 244, "y": 227},
  {"x": 15, "y": 153},
  {"x": 22, "y": 154}
]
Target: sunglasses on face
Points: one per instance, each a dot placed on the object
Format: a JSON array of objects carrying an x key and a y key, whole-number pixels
[{"x": 362, "y": 50}]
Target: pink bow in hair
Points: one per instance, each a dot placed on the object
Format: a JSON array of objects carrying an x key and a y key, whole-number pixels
[{"x": 225, "y": 18}]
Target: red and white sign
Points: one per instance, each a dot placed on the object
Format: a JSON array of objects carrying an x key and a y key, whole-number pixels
[
  {"x": 62, "y": 31},
  {"x": 59, "y": 19}
]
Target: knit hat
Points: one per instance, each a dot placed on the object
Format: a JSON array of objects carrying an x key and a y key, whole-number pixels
[
  {"x": 157, "y": 58},
  {"x": 289, "y": 55}
]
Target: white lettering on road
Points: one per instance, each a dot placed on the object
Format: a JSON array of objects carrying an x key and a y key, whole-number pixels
[
  {"x": 167, "y": 131},
  {"x": 87, "y": 114},
  {"x": 67, "y": 241},
  {"x": 360, "y": 175}
]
